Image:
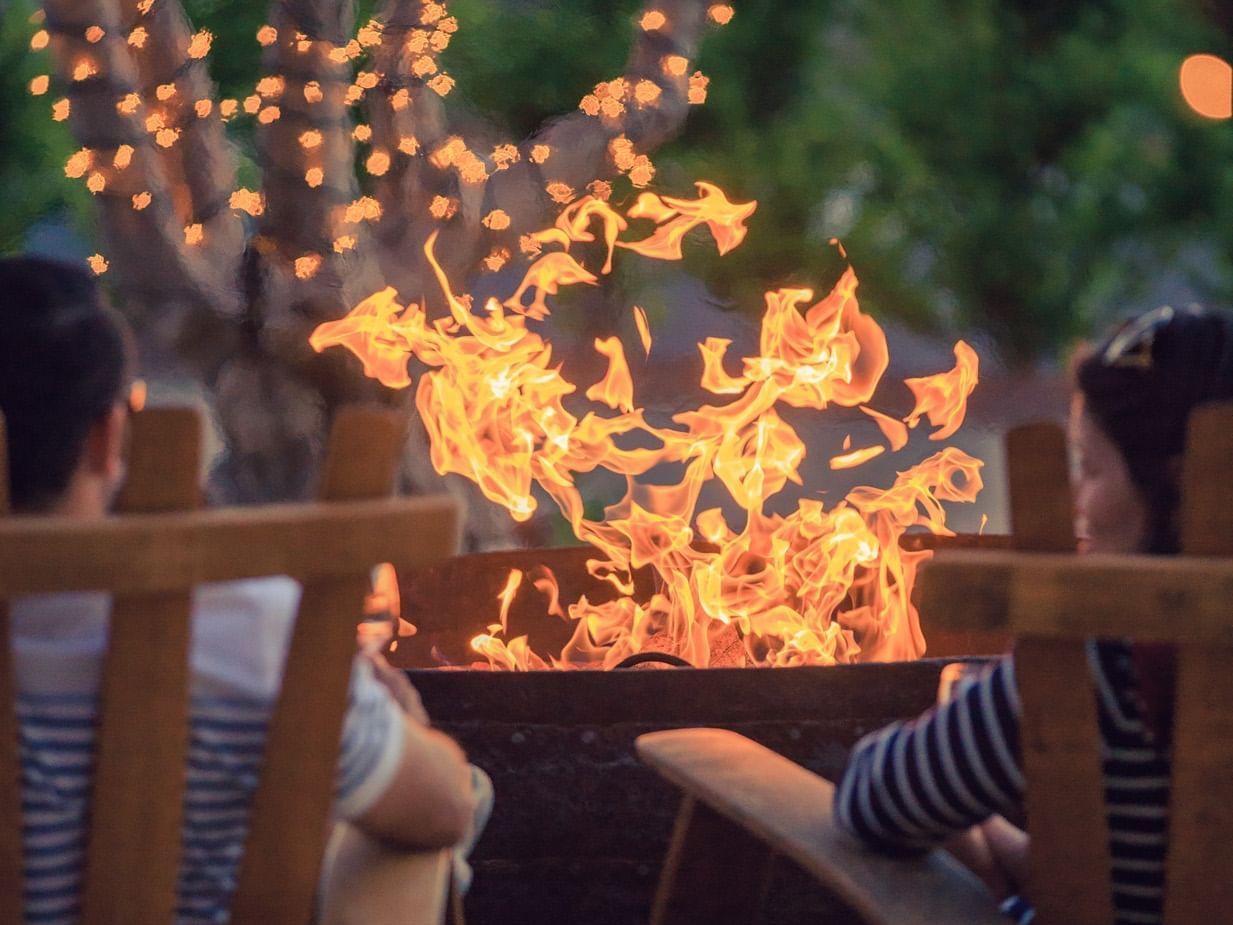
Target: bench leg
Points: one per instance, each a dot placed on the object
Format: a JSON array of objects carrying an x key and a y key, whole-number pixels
[{"x": 716, "y": 873}]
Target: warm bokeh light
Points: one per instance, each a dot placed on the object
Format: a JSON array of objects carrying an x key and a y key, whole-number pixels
[{"x": 1207, "y": 85}]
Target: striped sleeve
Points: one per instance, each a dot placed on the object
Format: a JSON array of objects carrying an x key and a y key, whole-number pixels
[
  {"x": 910, "y": 785},
  {"x": 373, "y": 740}
]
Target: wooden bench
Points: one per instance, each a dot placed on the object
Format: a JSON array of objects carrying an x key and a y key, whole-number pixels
[
  {"x": 149, "y": 560},
  {"x": 744, "y": 805}
]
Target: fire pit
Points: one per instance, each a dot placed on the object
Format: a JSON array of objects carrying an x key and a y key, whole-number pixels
[{"x": 580, "y": 828}]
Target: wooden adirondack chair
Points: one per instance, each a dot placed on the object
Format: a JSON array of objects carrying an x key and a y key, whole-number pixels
[
  {"x": 745, "y": 805},
  {"x": 149, "y": 559}
]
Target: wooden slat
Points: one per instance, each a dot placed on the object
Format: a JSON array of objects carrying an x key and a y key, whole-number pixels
[
  {"x": 789, "y": 809},
  {"x": 361, "y": 460},
  {"x": 140, "y": 775},
  {"x": 1200, "y": 812},
  {"x": 1069, "y": 865},
  {"x": 278, "y": 876},
  {"x": 164, "y": 462},
  {"x": 1078, "y": 596},
  {"x": 167, "y": 552},
  {"x": 11, "y": 856},
  {"x": 716, "y": 872},
  {"x": 289, "y": 823}
]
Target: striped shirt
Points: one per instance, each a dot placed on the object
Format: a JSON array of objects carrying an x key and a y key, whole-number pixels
[
  {"x": 911, "y": 785},
  {"x": 239, "y": 641}
]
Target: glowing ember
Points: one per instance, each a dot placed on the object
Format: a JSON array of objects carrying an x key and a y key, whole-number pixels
[{"x": 817, "y": 586}]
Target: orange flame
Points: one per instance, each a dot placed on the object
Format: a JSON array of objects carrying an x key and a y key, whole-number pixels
[{"x": 817, "y": 586}]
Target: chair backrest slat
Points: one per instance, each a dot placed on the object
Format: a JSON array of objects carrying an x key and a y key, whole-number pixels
[
  {"x": 288, "y": 826},
  {"x": 1200, "y": 812},
  {"x": 150, "y": 562},
  {"x": 11, "y": 858},
  {"x": 1070, "y": 881},
  {"x": 142, "y": 741}
]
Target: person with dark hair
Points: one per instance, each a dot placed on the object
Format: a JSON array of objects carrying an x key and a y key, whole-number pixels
[
  {"x": 65, "y": 369},
  {"x": 950, "y": 775}
]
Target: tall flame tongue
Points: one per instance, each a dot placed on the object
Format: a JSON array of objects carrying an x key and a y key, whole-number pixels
[{"x": 818, "y": 586}]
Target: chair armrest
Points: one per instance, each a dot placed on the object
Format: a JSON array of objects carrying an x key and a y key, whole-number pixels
[
  {"x": 789, "y": 808},
  {"x": 367, "y": 883}
]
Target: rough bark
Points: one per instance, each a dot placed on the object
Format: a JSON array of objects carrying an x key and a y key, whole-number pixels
[{"x": 232, "y": 300}]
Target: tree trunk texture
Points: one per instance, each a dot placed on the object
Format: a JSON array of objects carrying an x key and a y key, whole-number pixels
[{"x": 222, "y": 291}]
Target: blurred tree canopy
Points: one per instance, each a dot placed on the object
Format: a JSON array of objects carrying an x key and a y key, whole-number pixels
[{"x": 1022, "y": 167}]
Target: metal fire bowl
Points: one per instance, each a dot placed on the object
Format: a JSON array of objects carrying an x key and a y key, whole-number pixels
[{"x": 580, "y": 828}]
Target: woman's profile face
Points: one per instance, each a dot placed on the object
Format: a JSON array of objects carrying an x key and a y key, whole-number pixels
[{"x": 1110, "y": 516}]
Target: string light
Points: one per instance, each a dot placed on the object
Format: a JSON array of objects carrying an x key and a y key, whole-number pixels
[
  {"x": 448, "y": 153},
  {"x": 194, "y": 234},
  {"x": 271, "y": 87},
  {"x": 252, "y": 104},
  {"x": 96, "y": 183},
  {"x": 60, "y": 110},
  {"x": 141, "y": 200},
  {"x": 471, "y": 169},
  {"x": 246, "y": 200},
  {"x": 94, "y": 34},
  {"x": 306, "y": 267},
  {"x": 378, "y": 163},
  {"x": 354, "y": 95},
  {"x": 439, "y": 41},
  {"x": 98, "y": 264},
  {"x": 423, "y": 66},
  {"x": 40, "y": 85},
  {"x": 653, "y": 20},
  {"x": 311, "y": 139},
  {"x": 675, "y": 65},
  {"x": 697, "y": 88},
  {"x": 78, "y": 163},
  {"x": 84, "y": 69},
  {"x": 228, "y": 108},
  {"x": 267, "y": 35},
  {"x": 145, "y": 6},
  {"x": 505, "y": 155},
  {"x": 364, "y": 209},
  {"x": 166, "y": 137},
  {"x": 312, "y": 92},
  {"x": 164, "y": 92},
  {"x": 203, "y": 108},
  {"x": 137, "y": 38},
  {"x": 128, "y": 104},
  {"x": 540, "y": 153},
  {"x": 400, "y": 100},
  {"x": 441, "y": 85},
  {"x": 123, "y": 157},
  {"x": 40, "y": 40},
  {"x": 497, "y": 220},
  {"x": 408, "y": 145},
  {"x": 369, "y": 34},
  {"x": 720, "y": 13},
  {"x": 200, "y": 44},
  {"x": 269, "y": 114},
  {"x": 362, "y": 133},
  {"x": 442, "y": 207},
  {"x": 155, "y": 121},
  {"x": 647, "y": 92},
  {"x": 496, "y": 259},
  {"x": 314, "y": 177},
  {"x": 303, "y": 44},
  {"x": 642, "y": 172},
  {"x": 346, "y": 242},
  {"x": 432, "y": 12}
]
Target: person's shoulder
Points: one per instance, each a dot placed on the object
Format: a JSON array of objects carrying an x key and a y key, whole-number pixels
[{"x": 241, "y": 630}]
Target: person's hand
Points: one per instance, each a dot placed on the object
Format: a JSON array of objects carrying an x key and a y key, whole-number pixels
[{"x": 395, "y": 681}]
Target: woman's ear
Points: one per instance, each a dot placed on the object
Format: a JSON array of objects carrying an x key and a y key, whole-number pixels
[{"x": 104, "y": 452}]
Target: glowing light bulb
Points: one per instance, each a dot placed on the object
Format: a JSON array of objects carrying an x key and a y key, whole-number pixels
[
  {"x": 94, "y": 34},
  {"x": 314, "y": 177},
  {"x": 199, "y": 45},
  {"x": 1207, "y": 86},
  {"x": 141, "y": 201},
  {"x": 267, "y": 35},
  {"x": 653, "y": 20},
  {"x": 40, "y": 85},
  {"x": 441, "y": 85},
  {"x": 60, "y": 110},
  {"x": 40, "y": 40},
  {"x": 98, "y": 264}
]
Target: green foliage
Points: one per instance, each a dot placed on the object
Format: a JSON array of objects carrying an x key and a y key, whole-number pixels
[
  {"x": 33, "y": 149},
  {"x": 1024, "y": 167}
]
